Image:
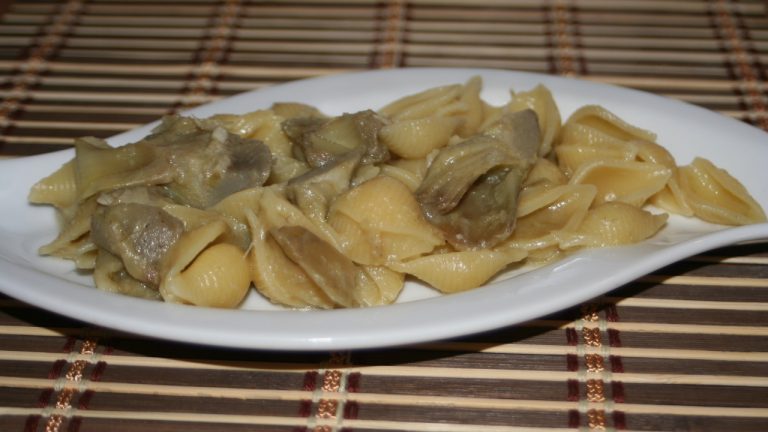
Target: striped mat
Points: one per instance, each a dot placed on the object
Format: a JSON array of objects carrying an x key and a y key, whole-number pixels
[{"x": 682, "y": 349}]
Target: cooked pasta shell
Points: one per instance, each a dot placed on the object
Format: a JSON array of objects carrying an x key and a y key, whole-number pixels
[
  {"x": 631, "y": 182},
  {"x": 72, "y": 232},
  {"x": 416, "y": 138},
  {"x": 545, "y": 210},
  {"x": 561, "y": 202},
  {"x": 278, "y": 278},
  {"x": 472, "y": 117},
  {"x": 234, "y": 208},
  {"x": 545, "y": 171},
  {"x": 80, "y": 250},
  {"x": 218, "y": 277},
  {"x": 600, "y": 119},
  {"x": 577, "y": 134},
  {"x": 189, "y": 246},
  {"x": 716, "y": 196},
  {"x": 198, "y": 271},
  {"x": 491, "y": 114},
  {"x": 648, "y": 151},
  {"x": 672, "y": 198},
  {"x": 424, "y": 104},
  {"x": 409, "y": 178},
  {"x": 365, "y": 173},
  {"x": 540, "y": 100},
  {"x": 360, "y": 245},
  {"x": 276, "y": 211},
  {"x": 543, "y": 255},
  {"x": 102, "y": 169},
  {"x": 417, "y": 167},
  {"x": 193, "y": 218},
  {"x": 390, "y": 218},
  {"x": 459, "y": 271},
  {"x": 614, "y": 224},
  {"x": 571, "y": 157},
  {"x": 378, "y": 285},
  {"x": 58, "y": 189}
]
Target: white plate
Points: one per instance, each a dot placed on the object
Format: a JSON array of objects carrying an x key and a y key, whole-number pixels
[{"x": 420, "y": 315}]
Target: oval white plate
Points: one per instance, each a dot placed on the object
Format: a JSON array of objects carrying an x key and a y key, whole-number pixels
[{"x": 420, "y": 314}]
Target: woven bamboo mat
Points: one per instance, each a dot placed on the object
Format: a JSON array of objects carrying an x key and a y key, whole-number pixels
[{"x": 684, "y": 348}]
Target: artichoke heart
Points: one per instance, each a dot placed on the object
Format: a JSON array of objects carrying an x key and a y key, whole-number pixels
[
  {"x": 207, "y": 162},
  {"x": 471, "y": 188},
  {"x": 333, "y": 272},
  {"x": 139, "y": 234},
  {"x": 321, "y": 141}
]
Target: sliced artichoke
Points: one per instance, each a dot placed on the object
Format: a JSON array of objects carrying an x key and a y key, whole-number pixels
[
  {"x": 471, "y": 188},
  {"x": 320, "y": 141}
]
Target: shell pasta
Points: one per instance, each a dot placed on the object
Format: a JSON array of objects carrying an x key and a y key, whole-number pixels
[{"x": 319, "y": 211}]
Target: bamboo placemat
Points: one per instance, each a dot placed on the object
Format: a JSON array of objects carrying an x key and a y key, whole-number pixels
[{"x": 684, "y": 348}]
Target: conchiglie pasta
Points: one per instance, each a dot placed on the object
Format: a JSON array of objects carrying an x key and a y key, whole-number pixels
[
  {"x": 234, "y": 209},
  {"x": 715, "y": 196},
  {"x": 277, "y": 277},
  {"x": 545, "y": 210},
  {"x": 416, "y": 138},
  {"x": 276, "y": 211},
  {"x": 73, "y": 239},
  {"x": 379, "y": 285},
  {"x": 58, "y": 189},
  {"x": 672, "y": 198},
  {"x": 599, "y": 119},
  {"x": 459, "y": 271},
  {"x": 545, "y": 171},
  {"x": 472, "y": 117},
  {"x": 631, "y": 182},
  {"x": 614, "y": 224},
  {"x": 593, "y": 133},
  {"x": 383, "y": 220},
  {"x": 199, "y": 271},
  {"x": 460, "y": 101},
  {"x": 407, "y": 177},
  {"x": 571, "y": 157},
  {"x": 440, "y": 101},
  {"x": 103, "y": 169}
]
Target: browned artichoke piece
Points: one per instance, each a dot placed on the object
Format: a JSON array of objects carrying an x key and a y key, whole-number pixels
[
  {"x": 313, "y": 191},
  {"x": 319, "y": 141},
  {"x": 333, "y": 272},
  {"x": 139, "y": 234},
  {"x": 471, "y": 189},
  {"x": 208, "y": 162}
]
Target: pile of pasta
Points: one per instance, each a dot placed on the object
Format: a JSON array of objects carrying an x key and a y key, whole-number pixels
[{"x": 318, "y": 211}]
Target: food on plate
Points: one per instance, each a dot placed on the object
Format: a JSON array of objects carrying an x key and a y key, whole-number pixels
[{"x": 326, "y": 211}]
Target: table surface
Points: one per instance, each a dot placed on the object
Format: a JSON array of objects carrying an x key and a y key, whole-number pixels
[{"x": 684, "y": 348}]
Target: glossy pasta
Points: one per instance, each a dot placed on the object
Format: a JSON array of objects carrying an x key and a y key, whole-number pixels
[{"x": 320, "y": 211}]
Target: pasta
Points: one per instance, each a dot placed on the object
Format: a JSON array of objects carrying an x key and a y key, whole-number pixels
[{"x": 319, "y": 211}]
